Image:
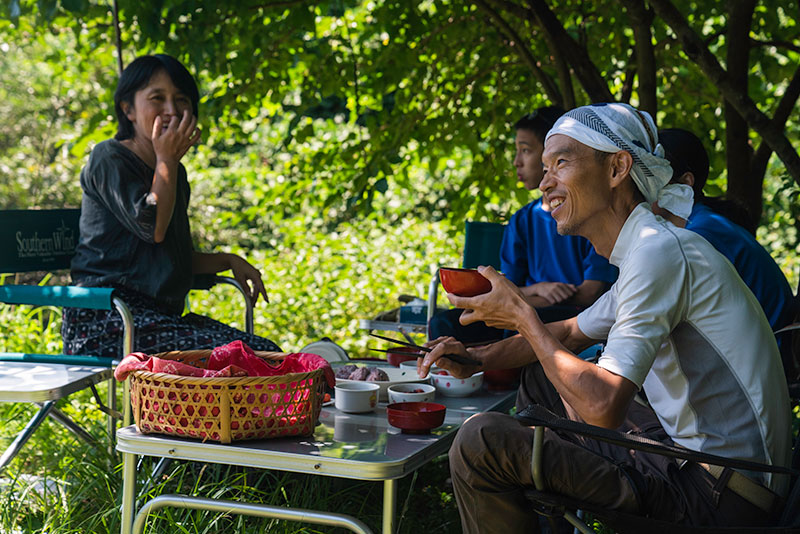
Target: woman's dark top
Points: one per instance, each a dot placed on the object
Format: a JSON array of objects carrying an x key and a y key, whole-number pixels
[{"x": 116, "y": 244}]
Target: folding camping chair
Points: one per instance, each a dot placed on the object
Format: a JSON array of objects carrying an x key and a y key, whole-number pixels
[
  {"x": 45, "y": 240},
  {"x": 482, "y": 242}
]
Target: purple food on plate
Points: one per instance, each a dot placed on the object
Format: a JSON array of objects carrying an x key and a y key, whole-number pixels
[
  {"x": 377, "y": 375},
  {"x": 359, "y": 374},
  {"x": 345, "y": 371}
]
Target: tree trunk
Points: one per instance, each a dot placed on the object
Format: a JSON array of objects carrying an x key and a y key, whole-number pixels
[
  {"x": 742, "y": 186},
  {"x": 698, "y": 52},
  {"x": 641, "y": 20}
]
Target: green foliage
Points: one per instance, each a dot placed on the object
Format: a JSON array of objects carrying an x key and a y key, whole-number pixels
[
  {"x": 50, "y": 111},
  {"x": 321, "y": 283}
]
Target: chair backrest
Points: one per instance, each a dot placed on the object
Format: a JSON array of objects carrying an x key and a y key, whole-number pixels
[
  {"x": 37, "y": 240},
  {"x": 482, "y": 242}
]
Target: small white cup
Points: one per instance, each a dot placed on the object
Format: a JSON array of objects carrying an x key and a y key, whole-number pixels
[{"x": 356, "y": 397}]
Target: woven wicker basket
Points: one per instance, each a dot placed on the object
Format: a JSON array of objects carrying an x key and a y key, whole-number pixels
[{"x": 226, "y": 409}]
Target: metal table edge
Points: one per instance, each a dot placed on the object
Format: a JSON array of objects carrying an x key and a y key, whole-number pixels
[
  {"x": 129, "y": 440},
  {"x": 56, "y": 393}
]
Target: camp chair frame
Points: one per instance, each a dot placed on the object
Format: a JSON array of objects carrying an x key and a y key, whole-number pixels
[
  {"x": 482, "y": 241},
  {"x": 45, "y": 240}
]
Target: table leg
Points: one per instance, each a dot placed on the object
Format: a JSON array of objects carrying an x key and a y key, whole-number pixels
[
  {"x": 72, "y": 426},
  {"x": 27, "y": 432},
  {"x": 128, "y": 491},
  {"x": 111, "y": 423},
  {"x": 389, "y": 503}
]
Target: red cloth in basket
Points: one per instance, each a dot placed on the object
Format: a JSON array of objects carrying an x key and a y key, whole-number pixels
[{"x": 234, "y": 359}]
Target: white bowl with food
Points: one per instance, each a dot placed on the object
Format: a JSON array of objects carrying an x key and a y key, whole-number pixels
[
  {"x": 385, "y": 376},
  {"x": 356, "y": 397},
  {"x": 450, "y": 386},
  {"x": 411, "y": 393}
]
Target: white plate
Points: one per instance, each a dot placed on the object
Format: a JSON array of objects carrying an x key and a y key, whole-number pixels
[
  {"x": 329, "y": 350},
  {"x": 396, "y": 376}
]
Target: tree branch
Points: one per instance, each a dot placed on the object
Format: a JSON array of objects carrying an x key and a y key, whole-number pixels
[
  {"x": 586, "y": 71},
  {"x": 517, "y": 45},
  {"x": 627, "y": 85},
  {"x": 785, "y": 107},
  {"x": 696, "y": 51},
  {"x": 777, "y": 44},
  {"x": 562, "y": 69},
  {"x": 117, "y": 37},
  {"x": 515, "y": 9}
]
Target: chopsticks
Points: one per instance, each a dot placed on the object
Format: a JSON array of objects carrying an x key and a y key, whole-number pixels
[{"x": 457, "y": 358}]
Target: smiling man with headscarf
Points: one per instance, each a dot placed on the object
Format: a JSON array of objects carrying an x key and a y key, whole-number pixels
[{"x": 679, "y": 324}]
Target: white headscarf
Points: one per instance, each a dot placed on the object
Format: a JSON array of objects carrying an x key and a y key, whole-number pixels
[{"x": 613, "y": 127}]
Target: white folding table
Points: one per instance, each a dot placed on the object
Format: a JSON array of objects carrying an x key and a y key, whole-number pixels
[
  {"x": 43, "y": 384},
  {"x": 361, "y": 447}
]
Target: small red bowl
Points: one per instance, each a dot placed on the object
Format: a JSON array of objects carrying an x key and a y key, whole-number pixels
[
  {"x": 402, "y": 354},
  {"x": 415, "y": 417},
  {"x": 464, "y": 282}
]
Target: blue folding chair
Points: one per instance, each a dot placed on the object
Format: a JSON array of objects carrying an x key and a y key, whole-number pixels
[{"x": 482, "y": 242}]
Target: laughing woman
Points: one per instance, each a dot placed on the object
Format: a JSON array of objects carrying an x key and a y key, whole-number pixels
[{"x": 134, "y": 223}]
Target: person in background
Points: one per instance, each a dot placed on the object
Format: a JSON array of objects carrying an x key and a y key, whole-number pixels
[
  {"x": 134, "y": 225},
  {"x": 758, "y": 270},
  {"x": 559, "y": 275}
]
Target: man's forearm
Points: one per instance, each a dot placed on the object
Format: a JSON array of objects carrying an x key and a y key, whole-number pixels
[
  {"x": 507, "y": 354},
  {"x": 599, "y": 396}
]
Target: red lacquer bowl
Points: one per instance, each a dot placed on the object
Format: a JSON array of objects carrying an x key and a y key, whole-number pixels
[
  {"x": 415, "y": 417},
  {"x": 464, "y": 282}
]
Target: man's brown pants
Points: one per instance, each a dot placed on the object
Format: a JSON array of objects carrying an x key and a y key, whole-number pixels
[{"x": 490, "y": 464}]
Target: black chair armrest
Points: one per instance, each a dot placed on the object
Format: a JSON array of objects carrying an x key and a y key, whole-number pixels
[{"x": 535, "y": 415}]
